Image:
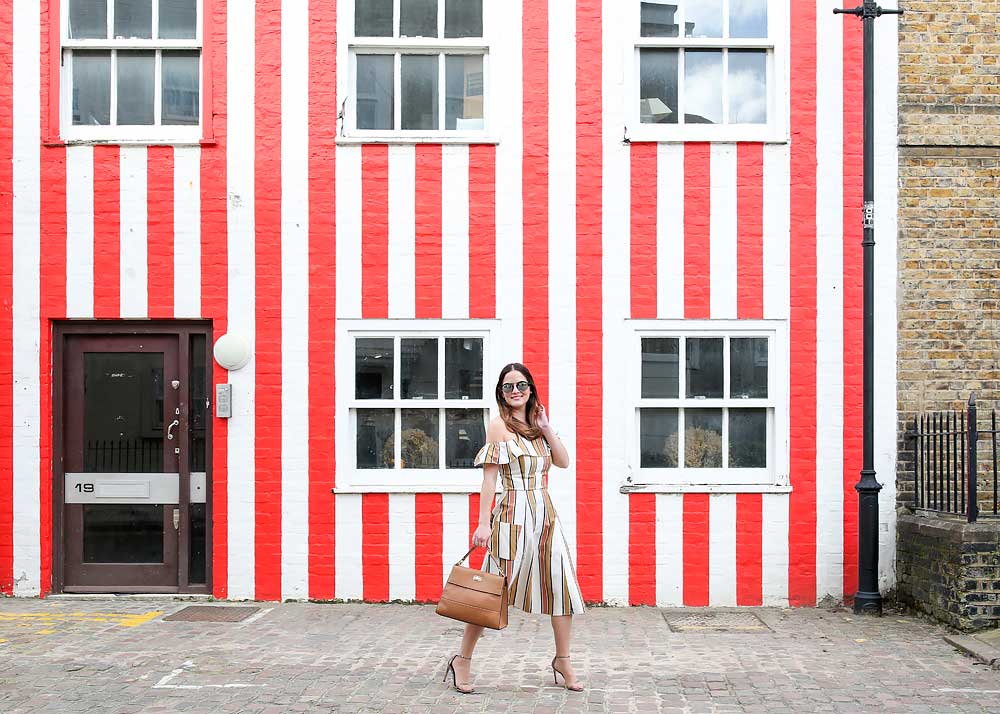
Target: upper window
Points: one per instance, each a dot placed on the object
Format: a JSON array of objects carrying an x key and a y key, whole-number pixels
[
  {"x": 419, "y": 67},
  {"x": 131, "y": 70},
  {"x": 706, "y": 69}
]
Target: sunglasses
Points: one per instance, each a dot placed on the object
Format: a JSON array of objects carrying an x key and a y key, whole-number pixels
[{"x": 508, "y": 387}]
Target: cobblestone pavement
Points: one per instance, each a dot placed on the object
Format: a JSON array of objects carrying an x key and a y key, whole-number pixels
[{"x": 120, "y": 656}]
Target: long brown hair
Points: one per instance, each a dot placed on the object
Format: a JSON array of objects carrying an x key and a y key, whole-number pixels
[{"x": 514, "y": 425}]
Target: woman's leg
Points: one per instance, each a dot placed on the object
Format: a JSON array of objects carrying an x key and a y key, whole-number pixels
[
  {"x": 562, "y": 630},
  {"x": 463, "y": 664}
]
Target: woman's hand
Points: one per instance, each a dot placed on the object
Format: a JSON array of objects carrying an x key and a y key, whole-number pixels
[
  {"x": 481, "y": 537},
  {"x": 541, "y": 418}
]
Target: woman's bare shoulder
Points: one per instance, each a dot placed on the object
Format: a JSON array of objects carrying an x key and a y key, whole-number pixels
[{"x": 497, "y": 431}]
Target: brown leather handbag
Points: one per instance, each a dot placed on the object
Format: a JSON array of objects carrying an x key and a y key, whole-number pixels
[{"x": 475, "y": 596}]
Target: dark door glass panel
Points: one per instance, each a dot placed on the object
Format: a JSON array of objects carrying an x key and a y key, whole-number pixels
[
  {"x": 463, "y": 368},
  {"x": 373, "y": 370},
  {"x": 197, "y": 395},
  {"x": 123, "y": 412},
  {"x": 420, "y": 439},
  {"x": 704, "y": 367},
  {"x": 419, "y": 91},
  {"x": 748, "y": 438},
  {"x": 178, "y": 19},
  {"x": 198, "y": 540},
  {"x": 703, "y": 438},
  {"x": 133, "y": 18},
  {"x": 418, "y": 18},
  {"x": 418, "y": 364},
  {"x": 136, "y": 71},
  {"x": 465, "y": 433},
  {"x": 88, "y": 19},
  {"x": 463, "y": 18},
  {"x": 660, "y": 369},
  {"x": 129, "y": 533},
  {"x": 373, "y": 18},
  {"x": 748, "y": 367},
  {"x": 658, "y": 438},
  {"x": 180, "y": 92},
  {"x": 376, "y": 438},
  {"x": 658, "y": 20},
  {"x": 376, "y": 92},
  {"x": 91, "y": 88},
  {"x": 658, "y": 86}
]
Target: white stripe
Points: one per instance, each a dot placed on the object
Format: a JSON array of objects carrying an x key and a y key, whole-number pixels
[
  {"x": 829, "y": 307},
  {"x": 402, "y": 546},
  {"x": 722, "y": 550},
  {"x": 348, "y": 232},
  {"x": 722, "y": 233},
  {"x": 562, "y": 256},
  {"x": 80, "y": 231},
  {"x": 774, "y": 549},
  {"x": 669, "y": 549},
  {"x": 26, "y": 307},
  {"x": 455, "y": 231},
  {"x": 133, "y": 265},
  {"x": 777, "y": 231},
  {"x": 402, "y": 239},
  {"x": 187, "y": 231},
  {"x": 241, "y": 264},
  {"x": 347, "y": 554},
  {"x": 454, "y": 530},
  {"x": 294, "y": 301},
  {"x": 670, "y": 231}
]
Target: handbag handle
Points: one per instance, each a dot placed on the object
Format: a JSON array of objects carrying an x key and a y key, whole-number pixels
[{"x": 499, "y": 567}]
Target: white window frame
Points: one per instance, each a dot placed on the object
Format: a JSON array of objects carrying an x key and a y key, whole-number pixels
[
  {"x": 350, "y": 478},
  {"x": 778, "y": 79},
  {"x": 114, "y": 133},
  {"x": 347, "y": 81},
  {"x": 776, "y": 472}
]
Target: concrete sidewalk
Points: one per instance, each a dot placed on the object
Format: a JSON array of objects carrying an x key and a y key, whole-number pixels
[{"x": 118, "y": 656}]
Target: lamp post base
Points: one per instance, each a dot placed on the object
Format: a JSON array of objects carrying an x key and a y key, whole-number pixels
[{"x": 866, "y": 603}]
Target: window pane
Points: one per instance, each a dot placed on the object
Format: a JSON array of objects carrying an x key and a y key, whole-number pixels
[
  {"x": 703, "y": 86},
  {"x": 703, "y": 18},
  {"x": 91, "y": 88},
  {"x": 373, "y": 368},
  {"x": 748, "y": 18},
  {"x": 419, "y": 368},
  {"x": 376, "y": 438},
  {"x": 418, "y": 18},
  {"x": 747, "y": 438},
  {"x": 748, "y": 86},
  {"x": 658, "y": 86},
  {"x": 658, "y": 20},
  {"x": 420, "y": 439},
  {"x": 135, "y": 87},
  {"x": 133, "y": 18},
  {"x": 704, "y": 367},
  {"x": 419, "y": 89},
  {"x": 703, "y": 438},
  {"x": 464, "y": 92},
  {"x": 748, "y": 368},
  {"x": 658, "y": 438},
  {"x": 659, "y": 367},
  {"x": 463, "y": 18},
  {"x": 464, "y": 435},
  {"x": 181, "y": 96},
  {"x": 463, "y": 368},
  {"x": 178, "y": 19},
  {"x": 373, "y": 18},
  {"x": 88, "y": 19},
  {"x": 375, "y": 92}
]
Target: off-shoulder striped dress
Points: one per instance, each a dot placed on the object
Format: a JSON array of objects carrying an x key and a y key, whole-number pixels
[{"x": 526, "y": 535}]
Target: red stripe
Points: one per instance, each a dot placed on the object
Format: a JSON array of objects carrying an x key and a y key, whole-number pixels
[
  {"x": 749, "y": 549},
  {"x": 482, "y": 231},
  {"x": 267, "y": 285},
  {"x": 697, "y": 230},
  {"x": 695, "y": 572},
  {"x": 429, "y": 545},
  {"x": 375, "y": 230},
  {"x": 6, "y": 302},
  {"x": 589, "y": 298},
  {"x": 428, "y": 231},
  {"x": 322, "y": 298},
  {"x": 642, "y": 549},
  {"x": 375, "y": 546},
  {"x": 802, "y": 502},
  {"x": 215, "y": 275},
  {"x": 643, "y": 231},
  {"x": 853, "y": 298},
  {"x": 750, "y": 231},
  {"x": 535, "y": 191},
  {"x": 160, "y": 230},
  {"x": 107, "y": 232}
]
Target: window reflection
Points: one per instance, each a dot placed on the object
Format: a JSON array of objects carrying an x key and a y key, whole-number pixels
[
  {"x": 376, "y": 438},
  {"x": 463, "y": 18},
  {"x": 748, "y": 368},
  {"x": 463, "y": 368},
  {"x": 375, "y": 91},
  {"x": 748, "y": 438},
  {"x": 464, "y": 92},
  {"x": 373, "y": 368},
  {"x": 135, "y": 87},
  {"x": 418, "y": 18},
  {"x": 133, "y": 18},
  {"x": 658, "y": 20},
  {"x": 91, "y": 88},
  {"x": 465, "y": 433},
  {"x": 704, "y": 367},
  {"x": 180, "y": 100},
  {"x": 658, "y": 86},
  {"x": 703, "y": 18},
  {"x": 660, "y": 367},
  {"x": 748, "y": 18},
  {"x": 703, "y": 86},
  {"x": 88, "y": 19},
  {"x": 419, "y": 90},
  {"x": 703, "y": 438},
  {"x": 419, "y": 439},
  {"x": 419, "y": 368},
  {"x": 658, "y": 438},
  {"x": 747, "y": 86},
  {"x": 373, "y": 18}
]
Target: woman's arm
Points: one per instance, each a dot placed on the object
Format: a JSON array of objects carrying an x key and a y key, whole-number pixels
[
  {"x": 481, "y": 536},
  {"x": 560, "y": 456}
]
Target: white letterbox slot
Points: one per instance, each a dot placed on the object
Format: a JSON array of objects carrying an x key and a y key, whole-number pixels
[{"x": 138, "y": 490}]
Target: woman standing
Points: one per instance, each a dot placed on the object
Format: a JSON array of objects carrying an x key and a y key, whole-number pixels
[{"x": 523, "y": 533}]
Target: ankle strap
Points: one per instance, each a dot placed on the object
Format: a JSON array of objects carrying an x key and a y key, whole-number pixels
[
  {"x": 463, "y": 657},
  {"x": 561, "y": 657}
]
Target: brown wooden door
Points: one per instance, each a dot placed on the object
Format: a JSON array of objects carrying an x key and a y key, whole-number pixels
[{"x": 122, "y": 435}]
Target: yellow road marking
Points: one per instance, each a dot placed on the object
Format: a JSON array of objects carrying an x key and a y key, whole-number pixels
[{"x": 49, "y": 618}]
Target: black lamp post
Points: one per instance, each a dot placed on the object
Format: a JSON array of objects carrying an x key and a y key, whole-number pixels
[{"x": 868, "y": 600}]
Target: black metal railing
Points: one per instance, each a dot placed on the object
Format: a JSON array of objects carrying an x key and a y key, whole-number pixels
[
  {"x": 949, "y": 475},
  {"x": 123, "y": 456}
]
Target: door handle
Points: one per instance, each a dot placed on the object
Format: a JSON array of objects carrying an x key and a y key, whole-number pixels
[
  {"x": 170, "y": 428},
  {"x": 177, "y": 518}
]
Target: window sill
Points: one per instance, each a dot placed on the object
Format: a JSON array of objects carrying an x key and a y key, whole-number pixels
[
  {"x": 126, "y": 142},
  {"x": 629, "y": 488},
  {"x": 422, "y": 139},
  {"x": 670, "y": 134},
  {"x": 411, "y": 488}
]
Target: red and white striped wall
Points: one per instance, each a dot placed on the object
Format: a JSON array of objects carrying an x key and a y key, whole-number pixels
[{"x": 558, "y": 231}]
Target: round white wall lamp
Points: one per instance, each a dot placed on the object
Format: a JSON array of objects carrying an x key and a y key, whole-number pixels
[{"x": 231, "y": 351}]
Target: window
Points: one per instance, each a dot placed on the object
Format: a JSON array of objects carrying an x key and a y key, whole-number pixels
[
  {"x": 707, "y": 406},
  {"x": 417, "y": 405},
  {"x": 131, "y": 70},
  {"x": 418, "y": 67},
  {"x": 706, "y": 69}
]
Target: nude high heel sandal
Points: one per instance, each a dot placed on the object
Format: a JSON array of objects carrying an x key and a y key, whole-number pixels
[
  {"x": 555, "y": 671},
  {"x": 463, "y": 687}
]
